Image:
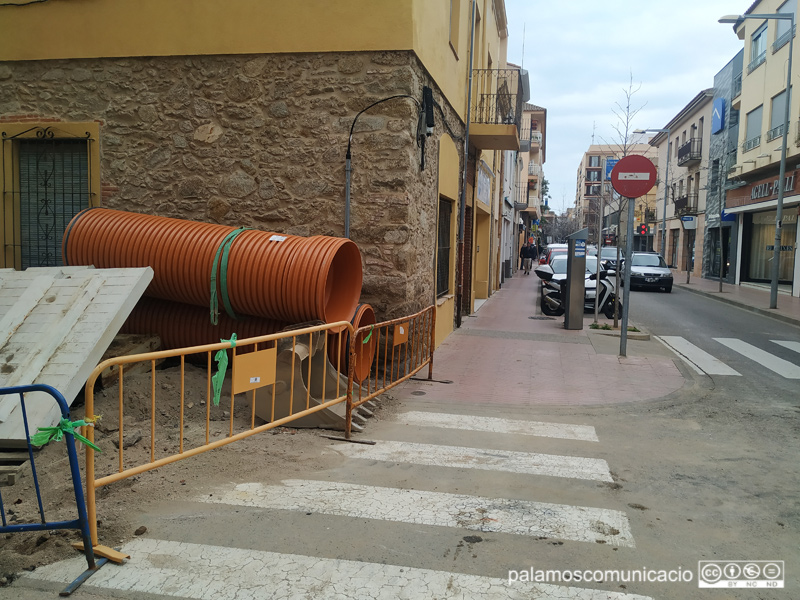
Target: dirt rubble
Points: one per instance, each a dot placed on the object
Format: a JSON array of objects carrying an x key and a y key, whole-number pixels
[{"x": 276, "y": 453}]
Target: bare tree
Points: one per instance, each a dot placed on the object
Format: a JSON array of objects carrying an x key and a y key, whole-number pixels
[{"x": 625, "y": 113}]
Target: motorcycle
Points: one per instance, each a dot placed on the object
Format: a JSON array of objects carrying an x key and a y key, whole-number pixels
[{"x": 552, "y": 294}]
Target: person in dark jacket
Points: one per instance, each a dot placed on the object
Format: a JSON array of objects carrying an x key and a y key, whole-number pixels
[{"x": 526, "y": 254}]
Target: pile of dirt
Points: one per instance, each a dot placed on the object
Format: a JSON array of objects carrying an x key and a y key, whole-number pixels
[{"x": 276, "y": 453}]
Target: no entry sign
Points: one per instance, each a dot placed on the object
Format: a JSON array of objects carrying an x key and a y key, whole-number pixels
[{"x": 633, "y": 176}]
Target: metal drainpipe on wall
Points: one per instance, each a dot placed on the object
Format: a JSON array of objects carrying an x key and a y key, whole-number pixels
[{"x": 462, "y": 200}]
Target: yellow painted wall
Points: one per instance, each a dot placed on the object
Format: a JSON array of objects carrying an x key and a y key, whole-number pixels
[
  {"x": 759, "y": 87},
  {"x": 449, "y": 172},
  {"x": 445, "y": 316},
  {"x": 483, "y": 242},
  {"x": 103, "y": 28},
  {"x": 448, "y": 187}
]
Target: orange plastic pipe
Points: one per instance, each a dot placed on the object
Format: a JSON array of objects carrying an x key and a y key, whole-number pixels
[
  {"x": 183, "y": 325},
  {"x": 339, "y": 345},
  {"x": 275, "y": 276}
]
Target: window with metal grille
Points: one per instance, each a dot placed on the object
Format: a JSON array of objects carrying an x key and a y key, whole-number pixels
[
  {"x": 53, "y": 188},
  {"x": 443, "y": 249},
  {"x": 48, "y": 174}
]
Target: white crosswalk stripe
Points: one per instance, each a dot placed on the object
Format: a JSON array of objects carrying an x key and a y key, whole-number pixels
[
  {"x": 790, "y": 345},
  {"x": 700, "y": 360},
  {"x": 495, "y": 425},
  {"x": 765, "y": 359},
  {"x": 490, "y": 515},
  {"x": 190, "y": 570},
  {"x": 488, "y": 460},
  {"x": 203, "y": 571}
]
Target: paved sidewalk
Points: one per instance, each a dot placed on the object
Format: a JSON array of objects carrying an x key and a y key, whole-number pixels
[
  {"x": 754, "y": 298},
  {"x": 508, "y": 353}
]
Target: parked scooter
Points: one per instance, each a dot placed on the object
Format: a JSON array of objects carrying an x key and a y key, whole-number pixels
[{"x": 552, "y": 294}]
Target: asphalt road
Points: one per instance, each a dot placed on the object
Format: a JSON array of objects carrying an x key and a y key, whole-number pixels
[{"x": 702, "y": 321}]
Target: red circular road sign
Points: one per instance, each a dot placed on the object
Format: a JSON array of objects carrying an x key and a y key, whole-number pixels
[{"x": 633, "y": 176}]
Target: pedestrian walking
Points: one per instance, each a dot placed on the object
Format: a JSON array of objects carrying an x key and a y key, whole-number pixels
[{"x": 525, "y": 255}]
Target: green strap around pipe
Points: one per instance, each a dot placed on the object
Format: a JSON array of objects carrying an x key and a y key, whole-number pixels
[{"x": 222, "y": 267}]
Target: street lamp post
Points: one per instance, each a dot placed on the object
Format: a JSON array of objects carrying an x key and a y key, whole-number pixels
[
  {"x": 666, "y": 191},
  {"x": 776, "y": 250}
]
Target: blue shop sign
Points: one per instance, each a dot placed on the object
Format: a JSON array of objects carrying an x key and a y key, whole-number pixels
[
  {"x": 610, "y": 162},
  {"x": 718, "y": 115}
]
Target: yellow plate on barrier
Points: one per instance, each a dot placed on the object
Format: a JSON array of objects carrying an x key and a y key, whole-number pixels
[
  {"x": 400, "y": 333},
  {"x": 254, "y": 370}
]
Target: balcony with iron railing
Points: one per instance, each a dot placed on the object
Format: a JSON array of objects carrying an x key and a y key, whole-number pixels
[
  {"x": 650, "y": 215},
  {"x": 496, "y": 109},
  {"x": 686, "y": 204},
  {"x": 690, "y": 153},
  {"x": 783, "y": 39},
  {"x": 775, "y": 133},
  {"x": 753, "y": 142},
  {"x": 534, "y": 170},
  {"x": 757, "y": 62}
]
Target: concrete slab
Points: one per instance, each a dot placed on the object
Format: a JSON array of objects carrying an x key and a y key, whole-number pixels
[{"x": 55, "y": 325}]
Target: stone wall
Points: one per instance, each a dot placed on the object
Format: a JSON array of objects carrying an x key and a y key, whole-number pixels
[{"x": 260, "y": 141}]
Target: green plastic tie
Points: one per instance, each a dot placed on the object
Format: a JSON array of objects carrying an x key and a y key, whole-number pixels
[
  {"x": 366, "y": 339},
  {"x": 222, "y": 366},
  {"x": 45, "y": 434},
  {"x": 222, "y": 267}
]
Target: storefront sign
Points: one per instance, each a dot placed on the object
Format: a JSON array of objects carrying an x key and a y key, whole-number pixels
[
  {"x": 761, "y": 191},
  {"x": 765, "y": 190},
  {"x": 771, "y": 248}
]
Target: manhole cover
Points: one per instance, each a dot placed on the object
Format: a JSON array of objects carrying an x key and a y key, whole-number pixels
[
  {"x": 542, "y": 318},
  {"x": 417, "y": 393}
]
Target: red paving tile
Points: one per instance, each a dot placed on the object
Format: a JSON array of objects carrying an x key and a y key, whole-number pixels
[{"x": 501, "y": 356}]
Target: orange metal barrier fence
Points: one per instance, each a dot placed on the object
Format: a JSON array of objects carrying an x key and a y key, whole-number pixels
[
  {"x": 398, "y": 350},
  {"x": 291, "y": 366}
]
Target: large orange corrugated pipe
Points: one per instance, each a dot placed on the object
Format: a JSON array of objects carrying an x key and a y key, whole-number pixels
[
  {"x": 184, "y": 325},
  {"x": 275, "y": 276},
  {"x": 339, "y": 345}
]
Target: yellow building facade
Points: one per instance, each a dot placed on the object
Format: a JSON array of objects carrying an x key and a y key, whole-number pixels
[{"x": 241, "y": 113}]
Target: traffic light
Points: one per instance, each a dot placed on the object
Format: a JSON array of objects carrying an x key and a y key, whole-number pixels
[{"x": 643, "y": 229}]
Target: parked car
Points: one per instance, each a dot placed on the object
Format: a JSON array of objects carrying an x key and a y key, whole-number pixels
[
  {"x": 649, "y": 270},
  {"x": 550, "y": 251},
  {"x": 608, "y": 255}
]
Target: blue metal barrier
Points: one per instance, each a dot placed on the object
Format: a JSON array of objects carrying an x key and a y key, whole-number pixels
[{"x": 82, "y": 522}]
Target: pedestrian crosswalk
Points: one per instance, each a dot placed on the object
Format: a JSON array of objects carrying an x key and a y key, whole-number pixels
[
  {"x": 704, "y": 362},
  {"x": 488, "y": 515},
  {"x": 187, "y": 569},
  {"x": 222, "y": 573},
  {"x": 487, "y": 460}
]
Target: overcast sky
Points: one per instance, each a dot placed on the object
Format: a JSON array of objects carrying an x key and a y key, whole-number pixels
[{"x": 581, "y": 54}]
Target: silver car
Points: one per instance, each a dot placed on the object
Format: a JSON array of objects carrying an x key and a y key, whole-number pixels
[{"x": 648, "y": 270}]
